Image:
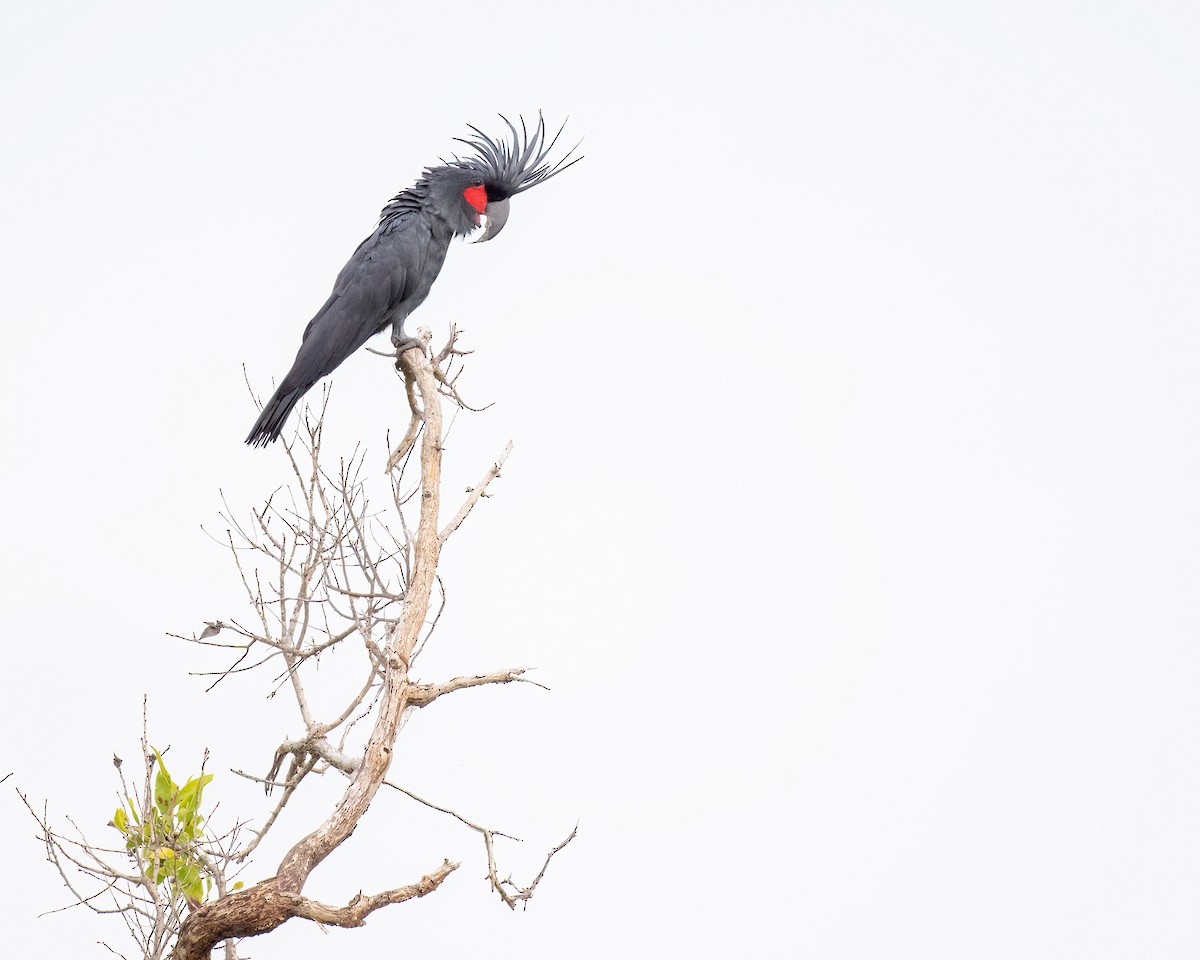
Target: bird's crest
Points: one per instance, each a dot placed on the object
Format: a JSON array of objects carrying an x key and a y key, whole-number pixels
[{"x": 512, "y": 165}]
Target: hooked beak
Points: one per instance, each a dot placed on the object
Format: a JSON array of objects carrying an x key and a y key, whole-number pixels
[{"x": 496, "y": 213}]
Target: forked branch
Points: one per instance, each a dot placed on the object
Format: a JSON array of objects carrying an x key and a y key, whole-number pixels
[
  {"x": 266, "y": 905},
  {"x": 320, "y": 568}
]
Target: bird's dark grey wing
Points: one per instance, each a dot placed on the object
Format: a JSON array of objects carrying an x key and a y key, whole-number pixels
[{"x": 364, "y": 294}]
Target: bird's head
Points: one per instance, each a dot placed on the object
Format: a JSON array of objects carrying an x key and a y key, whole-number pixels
[{"x": 473, "y": 191}]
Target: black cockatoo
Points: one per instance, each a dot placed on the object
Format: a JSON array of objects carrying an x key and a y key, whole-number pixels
[{"x": 391, "y": 272}]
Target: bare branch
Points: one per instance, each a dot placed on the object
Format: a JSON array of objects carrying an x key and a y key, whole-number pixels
[
  {"x": 457, "y": 816},
  {"x": 479, "y": 490},
  {"x": 320, "y": 566},
  {"x": 423, "y": 694},
  {"x": 509, "y": 892},
  {"x": 524, "y": 893},
  {"x": 355, "y": 914},
  {"x": 270, "y": 903}
]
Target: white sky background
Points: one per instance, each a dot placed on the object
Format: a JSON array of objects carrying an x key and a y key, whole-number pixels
[{"x": 852, "y": 516}]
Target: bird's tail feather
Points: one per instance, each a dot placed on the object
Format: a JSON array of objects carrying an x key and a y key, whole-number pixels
[{"x": 274, "y": 415}]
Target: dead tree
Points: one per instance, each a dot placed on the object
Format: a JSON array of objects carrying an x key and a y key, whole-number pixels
[{"x": 321, "y": 568}]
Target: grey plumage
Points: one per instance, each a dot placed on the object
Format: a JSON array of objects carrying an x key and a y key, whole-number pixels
[{"x": 392, "y": 271}]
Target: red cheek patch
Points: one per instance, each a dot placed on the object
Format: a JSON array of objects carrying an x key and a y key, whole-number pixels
[{"x": 476, "y": 197}]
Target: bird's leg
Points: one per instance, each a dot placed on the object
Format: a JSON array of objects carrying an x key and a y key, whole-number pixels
[{"x": 402, "y": 342}]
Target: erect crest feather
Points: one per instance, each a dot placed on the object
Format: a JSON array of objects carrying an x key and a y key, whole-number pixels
[{"x": 513, "y": 164}]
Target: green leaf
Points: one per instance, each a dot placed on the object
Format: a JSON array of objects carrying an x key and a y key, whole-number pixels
[
  {"x": 164, "y": 787},
  {"x": 237, "y": 886},
  {"x": 164, "y": 840},
  {"x": 190, "y": 882},
  {"x": 189, "y": 795}
]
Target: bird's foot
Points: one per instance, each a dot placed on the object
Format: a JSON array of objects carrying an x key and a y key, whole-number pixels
[
  {"x": 402, "y": 343},
  {"x": 406, "y": 343}
]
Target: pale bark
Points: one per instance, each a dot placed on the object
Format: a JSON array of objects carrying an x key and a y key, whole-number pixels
[{"x": 267, "y": 904}]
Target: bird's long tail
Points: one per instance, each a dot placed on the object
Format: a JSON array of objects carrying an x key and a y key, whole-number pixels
[{"x": 274, "y": 415}]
